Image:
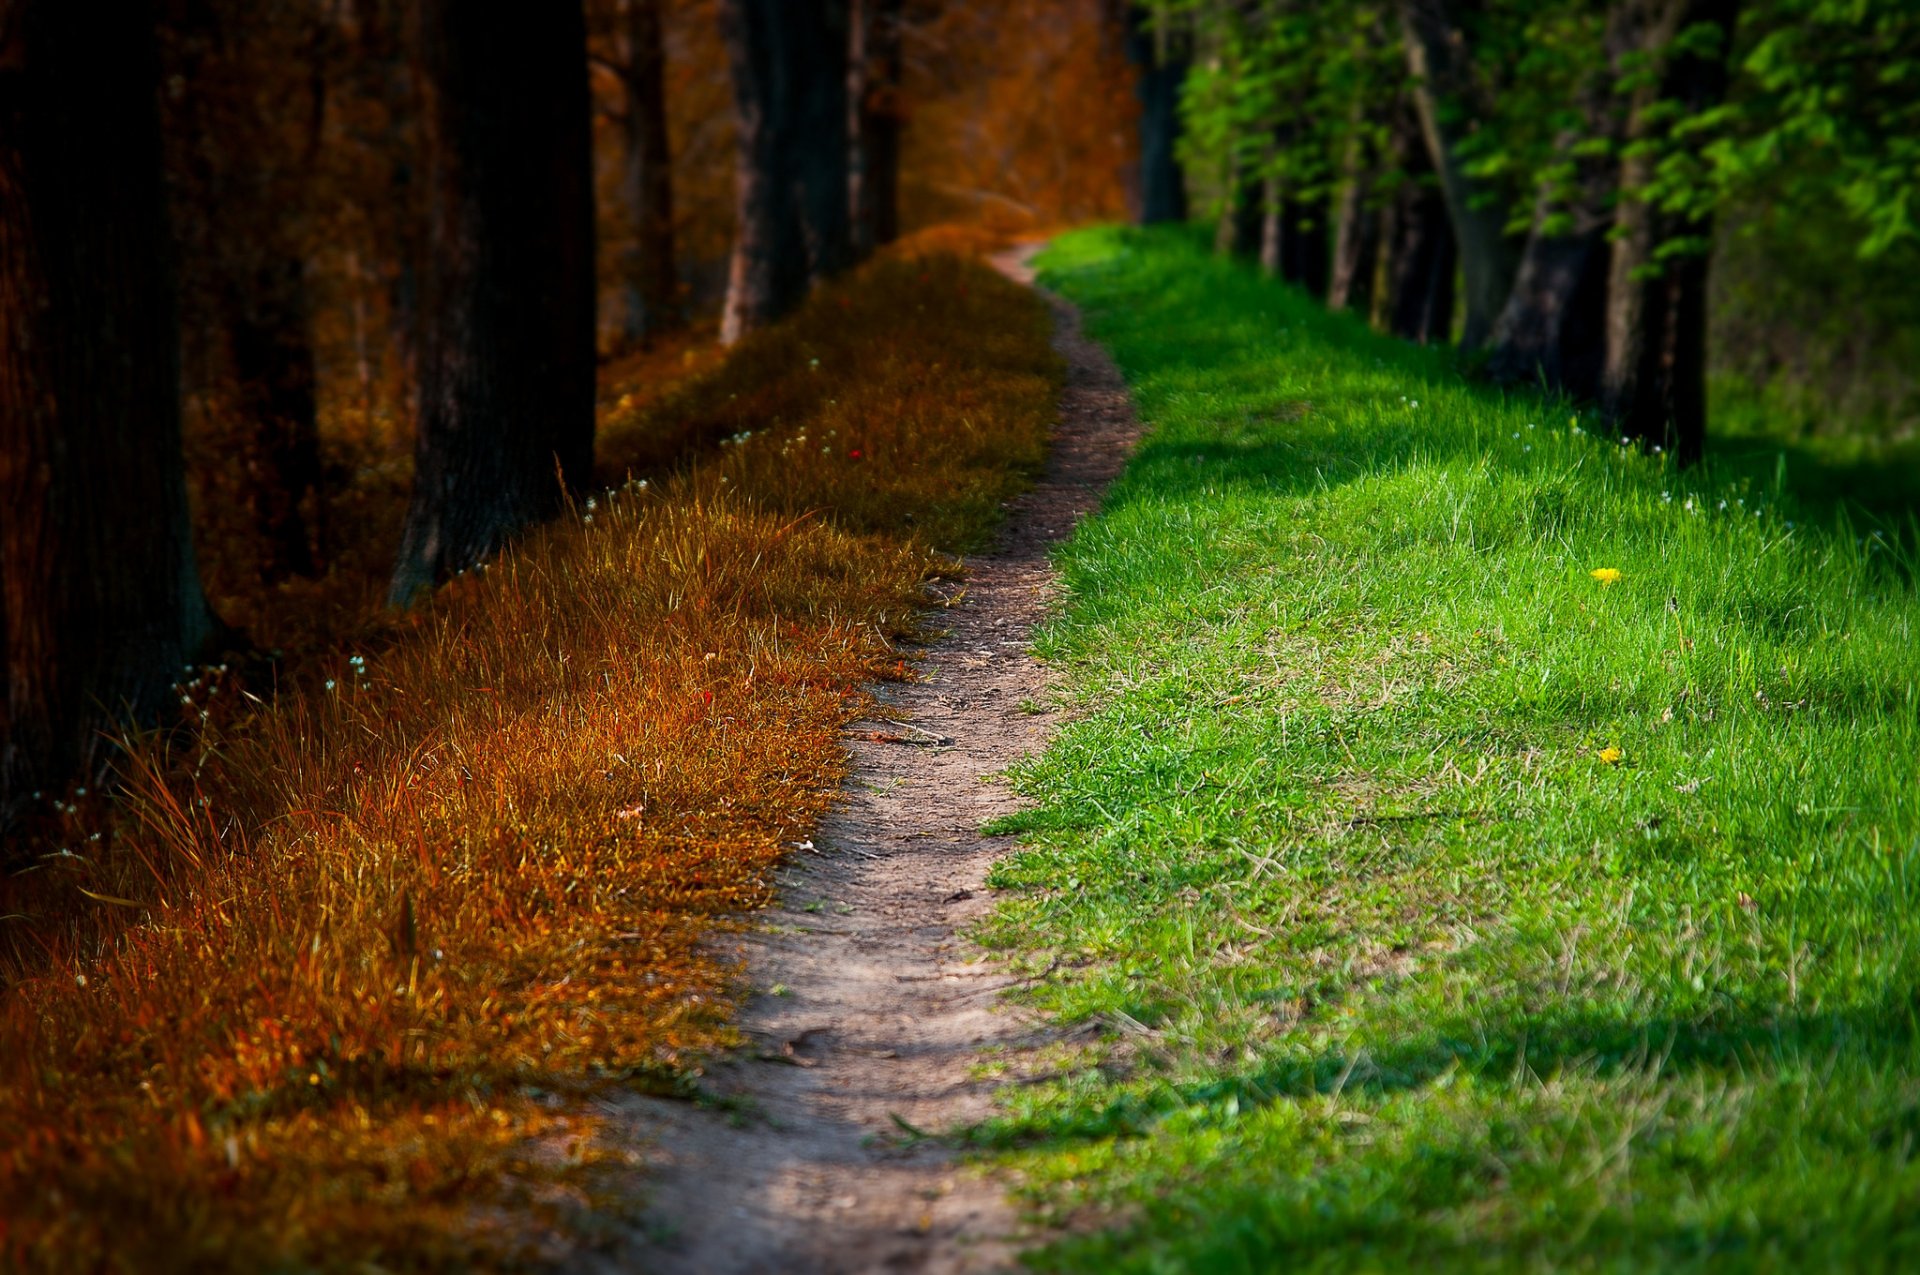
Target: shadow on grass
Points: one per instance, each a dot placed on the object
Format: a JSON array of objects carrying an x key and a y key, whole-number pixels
[{"x": 1507, "y": 1055}]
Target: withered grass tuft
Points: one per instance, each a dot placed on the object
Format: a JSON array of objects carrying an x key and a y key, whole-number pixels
[{"x": 321, "y": 990}]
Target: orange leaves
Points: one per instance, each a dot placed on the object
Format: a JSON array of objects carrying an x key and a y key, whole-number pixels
[{"x": 486, "y": 857}]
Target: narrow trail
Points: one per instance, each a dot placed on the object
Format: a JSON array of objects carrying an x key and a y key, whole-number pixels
[{"x": 870, "y": 1008}]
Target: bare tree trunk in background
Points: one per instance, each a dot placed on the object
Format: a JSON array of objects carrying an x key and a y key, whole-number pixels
[
  {"x": 1553, "y": 327},
  {"x": 507, "y": 343},
  {"x": 873, "y": 101},
  {"x": 649, "y": 278},
  {"x": 1654, "y": 382},
  {"x": 1356, "y": 239},
  {"x": 240, "y": 197},
  {"x": 100, "y": 603},
  {"x": 792, "y": 217},
  {"x": 1162, "y": 64},
  {"x": 1417, "y": 236},
  {"x": 1439, "y": 61}
]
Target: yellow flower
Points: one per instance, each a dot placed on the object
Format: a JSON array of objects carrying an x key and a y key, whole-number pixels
[
  {"x": 1611, "y": 755},
  {"x": 1605, "y": 575}
]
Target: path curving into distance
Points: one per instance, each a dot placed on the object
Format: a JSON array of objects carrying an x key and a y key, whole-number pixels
[{"x": 802, "y": 1161}]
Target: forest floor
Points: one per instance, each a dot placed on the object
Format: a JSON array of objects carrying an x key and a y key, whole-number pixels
[{"x": 816, "y": 1146}]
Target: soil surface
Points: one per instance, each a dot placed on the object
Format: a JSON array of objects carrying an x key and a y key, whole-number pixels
[{"x": 871, "y": 1011}]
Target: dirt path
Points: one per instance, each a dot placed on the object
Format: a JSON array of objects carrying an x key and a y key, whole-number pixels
[{"x": 870, "y": 1008}]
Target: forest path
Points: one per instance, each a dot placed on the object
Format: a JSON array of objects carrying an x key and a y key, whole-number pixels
[{"x": 870, "y": 1007}]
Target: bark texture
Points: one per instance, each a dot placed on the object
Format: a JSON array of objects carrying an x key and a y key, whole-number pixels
[
  {"x": 1439, "y": 63},
  {"x": 792, "y": 220},
  {"x": 649, "y": 278},
  {"x": 507, "y": 340},
  {"x": 1161, "y": 59},
  {"x": 874, "y": 114},
  {"x": 100, "y": 604},
  {"x": 1654, "y": 382}
]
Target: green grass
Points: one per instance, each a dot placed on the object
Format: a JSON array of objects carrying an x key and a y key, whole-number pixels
[{"x": 1364, "y": 953}]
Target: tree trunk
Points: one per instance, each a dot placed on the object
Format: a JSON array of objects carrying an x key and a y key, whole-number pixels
[
  {"x": 507, "y": 347},
  {"x": 1417, "y": 236},
  {"x": 1439, "y": 62},
  {"x": 100, "y": 603},
  {"x": 1272, "y": 226},
  {"x": 1654, "y": 381},
  {"x": 1243, "y": 217},
  {"x": 1553, "y": 326},
  {"x": 1303, "y": 239},
  {"x": 1356, "y": 240},
  {"x": 793, "y": 228},
  {"x": 240, "y": 191},
  {"x": 269, "y": 327},
  {"x": 652, "y": 287},
  {"x": 1162, "y": 64},
  {"x": 873, "y": 100}
]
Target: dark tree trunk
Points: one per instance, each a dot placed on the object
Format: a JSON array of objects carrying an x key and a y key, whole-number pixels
[
  {"x": 240, "y": 193},
  {"x": 652, "y": 287},
  {"x": 792, "y": 221},
  {"x": 507, "y": 342},
  {"x": 1356, "y": 238},
  {"x": 1439, "y": 61},
  {"x": 1161, "y": 60},
  {"x": 1243, "y": 217},
  {"x": 1417, "y": 236},
  {"x": 100, "y": 603},
  {"x": 269, "y": 328},
  {"x": 1303, "y": 243},
  {"x": 1654, "y": 382},
  {"x": 1553, "y": 327},
  {"x": 873, "y": 100}
]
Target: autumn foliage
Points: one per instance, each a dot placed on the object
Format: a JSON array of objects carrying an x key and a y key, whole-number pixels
[{"x": 305, "y": 994}]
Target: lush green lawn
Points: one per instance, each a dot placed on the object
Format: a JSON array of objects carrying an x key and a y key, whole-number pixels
[{"x": 1413, "y": 896}]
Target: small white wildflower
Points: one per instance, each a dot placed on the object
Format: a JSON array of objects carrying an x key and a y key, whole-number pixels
[
  {"x": 1723, "y": 504},
  {"x": 329, "y": 683},
  {"x": 592, "y": 504}
]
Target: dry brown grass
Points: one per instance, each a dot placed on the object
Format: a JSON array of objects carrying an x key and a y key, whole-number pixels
[{"x": 308, "y": 998}]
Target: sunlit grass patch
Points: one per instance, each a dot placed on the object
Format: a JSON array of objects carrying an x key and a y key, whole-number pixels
[
  {"x": 321, "y": 985},
  {"x": 1472, "y": 844}
]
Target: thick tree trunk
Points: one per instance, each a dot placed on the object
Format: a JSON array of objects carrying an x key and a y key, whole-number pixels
[
  {"x": 507, "y": 348},
  {"x": 1439, "y": 62},
  {"x": 1161, "y": 61},
  {"x": 649, "y": 279},
  {"x": 793, "y": 227},
  {"x": 1356, "y": 239},
  {"x": 1417, "y": 236},
  {"x": 1553, "y": 326},
  {"x": 873, "y": 102},
  {"x": 1654, "y": 382},
  {"x": 100, "y": 603}
]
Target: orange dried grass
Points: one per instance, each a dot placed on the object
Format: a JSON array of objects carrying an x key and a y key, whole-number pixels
[{"x": 362, "y": 929}]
